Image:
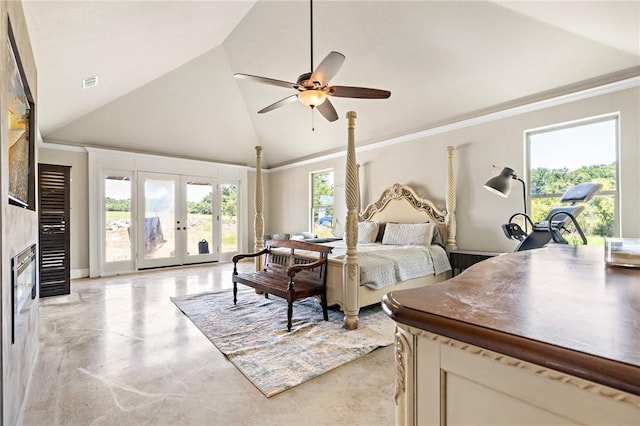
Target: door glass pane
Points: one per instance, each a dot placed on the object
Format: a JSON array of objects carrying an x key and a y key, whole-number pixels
[
  {"x": 199, "y": 218},
  {"x": 117, "y": 193},
  {"x": 159, "y": 218},
  {"x": 229, "y": 211}
]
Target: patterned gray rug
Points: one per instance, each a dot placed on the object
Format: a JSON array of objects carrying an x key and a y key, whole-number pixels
[{"x": 253, "y": 335}]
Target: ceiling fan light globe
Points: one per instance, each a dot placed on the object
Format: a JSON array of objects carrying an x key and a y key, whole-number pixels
[{"x": 312, "y": 98}]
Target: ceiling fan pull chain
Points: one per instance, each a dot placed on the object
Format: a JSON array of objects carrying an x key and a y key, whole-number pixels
[{"x": 313, "y": 121}]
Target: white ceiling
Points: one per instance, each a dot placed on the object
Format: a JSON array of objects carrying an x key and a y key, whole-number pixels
[
  {"x": 125, "y": 43},
  {"x": 165, "y": 67}
]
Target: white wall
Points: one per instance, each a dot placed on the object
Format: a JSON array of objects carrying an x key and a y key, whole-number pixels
[
  {"x": 422, "y": 164},
  {"x": 19, "y": 231}
]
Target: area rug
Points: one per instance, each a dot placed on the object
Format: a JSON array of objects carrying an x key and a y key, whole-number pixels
[{"x": 253, "y": 336}]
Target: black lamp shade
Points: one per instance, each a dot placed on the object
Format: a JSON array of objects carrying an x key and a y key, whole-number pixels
[{"x": 501, "y": 184}]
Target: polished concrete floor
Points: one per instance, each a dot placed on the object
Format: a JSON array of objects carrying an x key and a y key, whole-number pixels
[{"x": 117, "y": 351}]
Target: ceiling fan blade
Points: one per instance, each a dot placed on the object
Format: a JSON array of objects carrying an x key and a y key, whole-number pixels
[
  {"x": 265, "y": 80},
  {"x": 280, "y": 103},
  {"x": 358, "y": 92},
  {"x": 327, "y": 110},
  {"x": 328, "y": 68}
]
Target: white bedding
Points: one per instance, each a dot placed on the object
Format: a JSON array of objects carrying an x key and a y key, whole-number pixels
[{"x": 384, "y": 265}]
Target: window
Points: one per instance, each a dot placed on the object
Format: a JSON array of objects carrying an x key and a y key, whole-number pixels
[
  {"x": 200, "y": 223},
  {"x": 322, "y": 217},
  {"x": 117, "y": 218},
  {"x": 567, "y": 155},
  {"x": 229, "y": 217}
]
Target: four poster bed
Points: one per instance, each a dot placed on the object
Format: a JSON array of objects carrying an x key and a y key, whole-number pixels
[{"x": 414, "y": 228}]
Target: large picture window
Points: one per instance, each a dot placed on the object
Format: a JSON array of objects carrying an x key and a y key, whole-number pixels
[
  {"x": 322, "y": 216},
  {"x": 567, "y": 155}
]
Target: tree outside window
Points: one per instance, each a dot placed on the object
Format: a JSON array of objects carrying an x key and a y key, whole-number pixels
[
  {"x": 229, "y": 219},
  {"x": 565, "y": 156},
  {"x": 322, "y": 215}
]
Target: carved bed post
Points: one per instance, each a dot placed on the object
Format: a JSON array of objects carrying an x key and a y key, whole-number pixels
[
  {"x": 351, "y": 270},
  {"x": 259, "y": 219},
  {"x": 451, "y": 201},
  {"x": 359, "y": 208}
]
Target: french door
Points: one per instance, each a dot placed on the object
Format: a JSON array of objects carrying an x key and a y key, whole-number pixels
[{"x": 177, "y": 220}]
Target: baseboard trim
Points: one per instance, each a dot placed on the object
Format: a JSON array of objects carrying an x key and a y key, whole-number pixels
[{"x": 79, "y": 273}]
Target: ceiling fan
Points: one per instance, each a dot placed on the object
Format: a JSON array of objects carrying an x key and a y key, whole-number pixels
[{"x": 313, "y": 87}]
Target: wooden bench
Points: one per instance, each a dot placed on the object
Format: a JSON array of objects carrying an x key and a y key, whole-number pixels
[{"x": 287, "y": 274}]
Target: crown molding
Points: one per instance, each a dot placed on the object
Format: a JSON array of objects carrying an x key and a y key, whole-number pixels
[{"x": 499, "y": 114}]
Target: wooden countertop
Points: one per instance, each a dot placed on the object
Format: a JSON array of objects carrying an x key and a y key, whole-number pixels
[{"x": 560, "y": 307}]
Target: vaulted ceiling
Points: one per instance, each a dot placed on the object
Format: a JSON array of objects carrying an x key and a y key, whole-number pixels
[{"x": 165, "y": 68}]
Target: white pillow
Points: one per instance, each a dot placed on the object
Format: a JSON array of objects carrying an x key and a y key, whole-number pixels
[
  {"x": 367, "y": 232},
  {"x": 408, "y": 234}
]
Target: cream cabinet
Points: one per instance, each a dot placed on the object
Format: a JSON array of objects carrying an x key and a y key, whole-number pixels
[
  {"x": 542, "y": 337},
  {"x": 442, "y": 381}
]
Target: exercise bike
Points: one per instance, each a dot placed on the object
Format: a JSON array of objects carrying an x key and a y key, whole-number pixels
[{"x": 554, "y": 226}]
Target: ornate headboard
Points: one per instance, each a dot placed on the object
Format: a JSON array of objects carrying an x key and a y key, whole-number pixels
[{"x": 400, "y": 204}]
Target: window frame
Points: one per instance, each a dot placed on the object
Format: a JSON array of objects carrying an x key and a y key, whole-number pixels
[
  {"x": 119, "y": 266},
  {"x": 227, "y": 255},
  {"x": 568, "y": 125}
]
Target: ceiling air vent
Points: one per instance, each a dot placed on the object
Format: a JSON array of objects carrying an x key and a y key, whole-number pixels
[{"x": 89, "y": 82}]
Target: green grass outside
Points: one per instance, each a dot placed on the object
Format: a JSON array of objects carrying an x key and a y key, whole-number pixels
[{"x": 113, "y": 216}]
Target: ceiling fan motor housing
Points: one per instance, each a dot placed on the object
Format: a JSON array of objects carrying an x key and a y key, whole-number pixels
[{"x": 304, "y": 81}]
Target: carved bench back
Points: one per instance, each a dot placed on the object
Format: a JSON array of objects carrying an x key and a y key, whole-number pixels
[{"x": 286, "y": 253}]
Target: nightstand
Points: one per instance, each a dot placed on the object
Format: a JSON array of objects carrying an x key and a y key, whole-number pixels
[{"x": 461, "y": 259}]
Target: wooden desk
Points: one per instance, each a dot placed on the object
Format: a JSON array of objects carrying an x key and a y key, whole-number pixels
[{"x": 546, "y": 335}]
